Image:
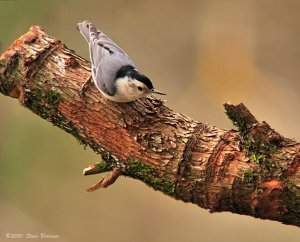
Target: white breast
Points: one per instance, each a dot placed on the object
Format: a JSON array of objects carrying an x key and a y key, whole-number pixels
[{"x": 126, "y": 91}]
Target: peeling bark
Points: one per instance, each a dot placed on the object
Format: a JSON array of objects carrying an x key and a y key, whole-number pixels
[{"x": 253, "y": 171}]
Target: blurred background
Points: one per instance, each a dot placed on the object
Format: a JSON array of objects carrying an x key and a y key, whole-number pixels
[{"x": 202, "y": 53}]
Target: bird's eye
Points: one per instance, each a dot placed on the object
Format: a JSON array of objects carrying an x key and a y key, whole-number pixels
[{"x": 139, "y": 88}]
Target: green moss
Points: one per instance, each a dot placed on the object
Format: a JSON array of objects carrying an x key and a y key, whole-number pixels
[
  {"x": 247, "y": 176},
  {"x": 137, "y": 169},
  {"x": 258, "y": 149},
  {"x": 168, "y": 188},
  {"x": 251, "y": 177},
  {"x": 239, "y": 121},
  {"x": 259, "y": 158},
  {"x": 81, "y": 140},
  {"x": 262, "y": 152},
  {"x": 103, "y": 167},
  {"x": 53, "y": 97},
  {"x": 258, "y": 145},
  {"x": 43, "y": 102}
]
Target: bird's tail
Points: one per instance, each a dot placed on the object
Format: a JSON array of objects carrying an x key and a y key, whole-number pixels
[{"x": 84, "y": 29}]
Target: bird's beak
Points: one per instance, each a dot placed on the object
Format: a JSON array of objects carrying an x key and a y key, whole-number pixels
[{"x": 153, "y": 90}]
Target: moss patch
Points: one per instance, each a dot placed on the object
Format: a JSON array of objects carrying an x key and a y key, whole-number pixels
[
  {"x": 44, "y": 103},
  {"x": 264, "y": 156},
  {"x": 53, "y": 97},
  {"x": 137, "y": 169},
  {"x": 249, "y": 176},
  {"x": 258, "y": 141},
  {"x": 252, "y": 178},
  {"x": 103, "y": 167},
  {"x": 239, "y": 122}
]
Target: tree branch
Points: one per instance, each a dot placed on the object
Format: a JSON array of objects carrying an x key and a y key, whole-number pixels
[
  {"x": 106, "y": 181},
  {"x": 253, "y": 171}
]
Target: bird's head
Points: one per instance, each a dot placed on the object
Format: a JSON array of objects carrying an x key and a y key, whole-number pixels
[{"x": 132, "y": 85}]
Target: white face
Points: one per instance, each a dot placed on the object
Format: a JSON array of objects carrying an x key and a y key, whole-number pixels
[{"x": 129, "y": 90}]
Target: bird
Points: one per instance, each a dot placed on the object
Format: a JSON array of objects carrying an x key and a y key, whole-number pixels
[{"x": 113, "y": 71}]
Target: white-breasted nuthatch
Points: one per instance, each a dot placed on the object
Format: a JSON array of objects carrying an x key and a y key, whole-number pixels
[{"x": 113, "y": 71}]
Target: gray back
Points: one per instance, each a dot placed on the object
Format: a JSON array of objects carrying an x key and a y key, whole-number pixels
[{"x": 106, "y": 57}]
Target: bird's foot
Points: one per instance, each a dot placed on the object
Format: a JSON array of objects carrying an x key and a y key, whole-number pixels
[{"x": 84, "y": 87}]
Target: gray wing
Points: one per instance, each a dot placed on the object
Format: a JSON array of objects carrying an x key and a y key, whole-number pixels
[{"x": 106, "y": 56}]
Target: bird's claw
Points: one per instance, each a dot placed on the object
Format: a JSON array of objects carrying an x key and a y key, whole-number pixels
[{"x": 84, "y": 87}]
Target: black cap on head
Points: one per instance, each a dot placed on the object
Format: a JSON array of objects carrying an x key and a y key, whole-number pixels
[
  {"x": 133, "y": 73},
  {"x": 144, "y": 80},
  {"x": 125, "y": 71}
]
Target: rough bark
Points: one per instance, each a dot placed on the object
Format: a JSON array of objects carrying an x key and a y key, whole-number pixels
[{"x": 253, "y": 171}]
